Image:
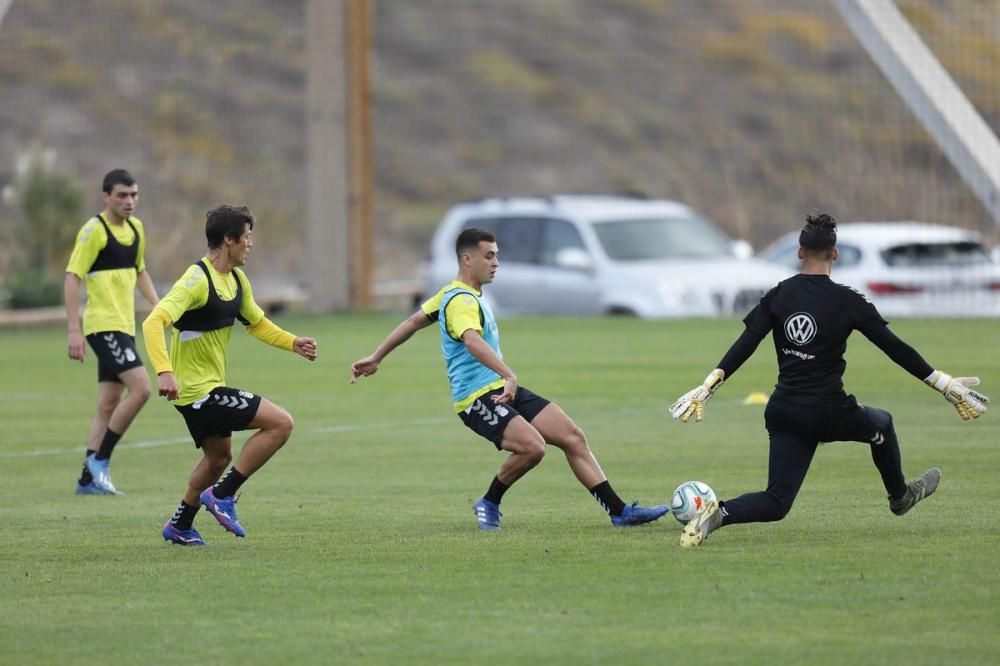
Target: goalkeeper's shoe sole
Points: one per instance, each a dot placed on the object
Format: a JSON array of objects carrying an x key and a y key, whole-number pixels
[
  {"x": 919, "y": 488},
  {"x": 699, "y": 527}
]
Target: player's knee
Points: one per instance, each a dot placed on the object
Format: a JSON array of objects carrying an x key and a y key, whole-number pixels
[
  {"x": 218, "y": 463},
  {"x": 880, "y": 418},
  {"x": 576, "y": 440},
  {"x": 535, "y": 451},
  {"x": 781, "y": 507},
  {"x": 107, "y": 405},
  {"x": 142, "y": 394},
  {"x": 531, "y": 449},
  {"x": 283, "y": 426}
]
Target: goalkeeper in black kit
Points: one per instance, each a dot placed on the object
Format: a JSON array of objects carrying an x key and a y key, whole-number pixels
[{"x": 811, "y": 317}]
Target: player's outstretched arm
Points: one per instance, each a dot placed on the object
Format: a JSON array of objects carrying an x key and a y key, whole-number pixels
[
  {"x": 306, "y": 348},
  {"x": 368, "y": 365},
  {"x": 694, "y": 401},
  {"x": 968, "y": 403}
]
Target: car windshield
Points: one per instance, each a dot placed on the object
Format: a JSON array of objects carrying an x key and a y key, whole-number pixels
[
  {"x": 963, "y": 253},
  {"x": 661, "y": 238}
]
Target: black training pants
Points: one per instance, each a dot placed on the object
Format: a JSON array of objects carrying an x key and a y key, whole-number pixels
[{"x": 795, "y": 431}]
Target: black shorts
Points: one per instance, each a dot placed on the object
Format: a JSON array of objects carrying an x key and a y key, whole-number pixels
[
  {"x": 115, "y": 353},
  {"x": 219, "y": 413},
  {"x": 490, "y": 420},
  {"x": 843, "y": 420}
]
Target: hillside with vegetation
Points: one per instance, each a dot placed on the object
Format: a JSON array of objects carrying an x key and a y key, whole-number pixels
[{"x": 754, "y": 112}]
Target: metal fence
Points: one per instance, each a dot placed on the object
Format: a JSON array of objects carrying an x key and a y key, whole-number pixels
[{"x": 754, "y": 112}]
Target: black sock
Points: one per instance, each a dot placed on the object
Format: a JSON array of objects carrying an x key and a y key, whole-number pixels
[
  {"x": 107, "y": 445},
  {"x": 184, "y": 516},
  {"x": 229, "y": 484},
  {"x": 496, "y": 491},
  {"x": 85, "y": 477},
  {"x": 608, "y": 498}
]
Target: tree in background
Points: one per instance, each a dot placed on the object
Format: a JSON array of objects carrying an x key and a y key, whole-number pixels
[{"x": 51, "y": 203}]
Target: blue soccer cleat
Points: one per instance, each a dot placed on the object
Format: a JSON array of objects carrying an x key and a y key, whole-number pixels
[
  {"x": 101, "y": 471},
  {"x": 637, "y": 515},
  {"x": 89, "y": 489},
  {"x": 224, "y": 510},
  {"x": 182, "y": 537},
  {"x": 487, "y": 514}
]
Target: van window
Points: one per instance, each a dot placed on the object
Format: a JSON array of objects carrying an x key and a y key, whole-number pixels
[
  {"x": 963, "y": 253},
  {"x": 519, "y": 238},
  {"x": 558, "y": 235}
]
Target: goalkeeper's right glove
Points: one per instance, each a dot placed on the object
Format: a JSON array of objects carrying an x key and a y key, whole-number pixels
[
  {"x": 694, "y": 401},
  {"x": 969, "y": 404}
]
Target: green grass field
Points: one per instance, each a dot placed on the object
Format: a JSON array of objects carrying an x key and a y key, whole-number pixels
[{"x": 362, "y": 546}]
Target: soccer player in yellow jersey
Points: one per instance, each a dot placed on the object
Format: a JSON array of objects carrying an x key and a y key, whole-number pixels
[
  {"x": 108, "y": 255},
  {"x": 485, "y": 392},
  {"x": 203, "y": 306}
]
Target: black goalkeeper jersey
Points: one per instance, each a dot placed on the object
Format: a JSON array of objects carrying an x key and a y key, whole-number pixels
[{"x": 810, "y": 318}]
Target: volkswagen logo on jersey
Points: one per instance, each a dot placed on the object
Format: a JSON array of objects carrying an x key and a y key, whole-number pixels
[{"x": 800, "y": 328}]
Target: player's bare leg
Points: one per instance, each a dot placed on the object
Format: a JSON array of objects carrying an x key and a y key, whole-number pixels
[
  {"x": 527, "y": 448},
  {"x": 274, "y": 427},
  {"x": 136, "y": 382},
  {"x": 559, "y": 430},
  {"x": 113, "y": 416},
  {"x": 217, "y": 452},
  {"x": 109, "y": 395}
]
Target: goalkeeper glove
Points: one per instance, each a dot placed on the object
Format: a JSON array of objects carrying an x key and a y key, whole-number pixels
[
  {"x": 969, "y": 404},
  {"x": 694, "y": 401}
]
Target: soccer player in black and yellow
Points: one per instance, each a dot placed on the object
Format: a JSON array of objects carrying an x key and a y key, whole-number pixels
[
  {"x": 109, "y": 256},
  {"x": 810, "y": 318},
  {"x": 486, "y": 395},
  {"x": 203, "y": 305}
]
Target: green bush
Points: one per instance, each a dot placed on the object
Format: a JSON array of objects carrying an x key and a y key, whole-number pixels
[
  {"x": 52, "y": 207},
  {"x": 33, "y": 289}
]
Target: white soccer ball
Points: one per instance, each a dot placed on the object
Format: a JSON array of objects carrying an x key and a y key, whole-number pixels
[{"x": 689, "y": 498}]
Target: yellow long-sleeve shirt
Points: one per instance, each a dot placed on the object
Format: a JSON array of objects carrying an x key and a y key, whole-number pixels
[{"x": 199, "y": 359}]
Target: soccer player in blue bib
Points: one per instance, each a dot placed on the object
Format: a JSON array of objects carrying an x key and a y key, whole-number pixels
[
  {"x": 485, "y": 393},
  {"x": 810, "y": 318}
]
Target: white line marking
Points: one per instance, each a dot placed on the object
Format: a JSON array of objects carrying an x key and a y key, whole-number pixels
[
  {"x": 346, "y": 427},
  {"x": 152, "y": 443}
]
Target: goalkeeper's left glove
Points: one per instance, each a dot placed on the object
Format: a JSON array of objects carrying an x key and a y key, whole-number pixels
[
  {"x": 694, "y": 401},
  {"x": 969, "y": 404}
]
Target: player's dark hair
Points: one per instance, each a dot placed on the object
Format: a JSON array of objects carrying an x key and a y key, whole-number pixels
[
  {"x": 819, "y": 234},
  {"x": 470, "y": 239},
  {"x": 226, "y": 222},
  {"x": 116, "y": 177}
]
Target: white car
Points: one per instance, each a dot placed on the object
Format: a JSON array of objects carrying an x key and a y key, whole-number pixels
[
  {"x": 594, "y": 255},
  {"x": 909, "y": 269}
]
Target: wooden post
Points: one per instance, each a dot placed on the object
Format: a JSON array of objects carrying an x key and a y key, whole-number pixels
[
  {"x": 327, "y": 272},
  {"x": 359, "y": 132}
]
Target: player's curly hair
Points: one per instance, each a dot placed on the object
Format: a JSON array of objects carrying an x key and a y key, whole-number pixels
[
  {"x": 226, "y": 222},
  {"x": 819, "y": 234}
]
